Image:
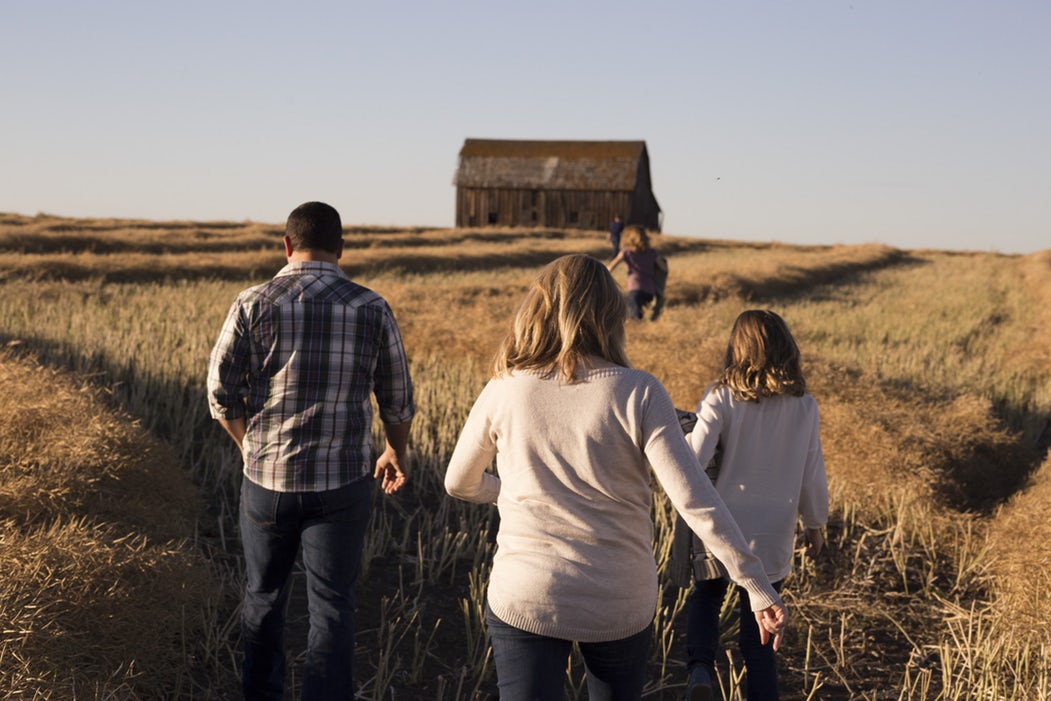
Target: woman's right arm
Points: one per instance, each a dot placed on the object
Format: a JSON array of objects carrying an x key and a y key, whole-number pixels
[{"x": 467, "y": 477}]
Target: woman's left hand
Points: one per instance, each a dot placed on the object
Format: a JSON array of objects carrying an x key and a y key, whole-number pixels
[{"x": 771, "y": 621}]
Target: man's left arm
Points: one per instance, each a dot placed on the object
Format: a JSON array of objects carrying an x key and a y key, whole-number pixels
[{"x": 394, "y": 395}]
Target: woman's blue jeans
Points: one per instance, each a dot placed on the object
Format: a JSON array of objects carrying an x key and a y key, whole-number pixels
[
  {"x": 330, "y": 528},
  {"x": 702, "y": 636},
  {"x": 532, "y": 667}
]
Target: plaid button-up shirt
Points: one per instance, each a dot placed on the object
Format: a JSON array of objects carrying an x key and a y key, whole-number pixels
[{"x": 299, "y": 357}]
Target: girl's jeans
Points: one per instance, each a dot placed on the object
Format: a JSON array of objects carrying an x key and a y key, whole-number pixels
[
  {"x": 530, "y": 667},
  {"x": 702, "y": 636},
  {"x": 637, "y": 299}
]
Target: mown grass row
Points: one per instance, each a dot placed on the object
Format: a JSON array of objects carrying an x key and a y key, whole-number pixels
[{"x": 110, "y": 586}]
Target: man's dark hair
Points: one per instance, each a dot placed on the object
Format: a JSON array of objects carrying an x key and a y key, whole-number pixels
[{"x": 314, "y": 226}]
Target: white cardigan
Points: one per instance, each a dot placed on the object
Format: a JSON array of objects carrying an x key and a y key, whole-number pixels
[
  {"x": 574, "y": 555},
  {"x": 771, "y": 469}
]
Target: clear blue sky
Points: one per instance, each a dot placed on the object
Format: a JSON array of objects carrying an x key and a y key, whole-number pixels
[{"x": 913, "y": 123}]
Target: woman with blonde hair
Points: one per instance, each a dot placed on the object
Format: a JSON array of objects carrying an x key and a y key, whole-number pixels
[
  {"x": 645, "y": 268},
  {"x": 771, "y": 471},
  {"x": 574, "y": 430}
]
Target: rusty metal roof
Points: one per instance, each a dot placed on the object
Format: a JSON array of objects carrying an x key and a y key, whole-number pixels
[{"x": 550, "y": 165}]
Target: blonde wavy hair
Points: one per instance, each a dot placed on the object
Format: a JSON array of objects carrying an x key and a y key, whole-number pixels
[
  {"x": 762, "y": 358},
  {"x": 636, "y": 239},
  {"x": 572, "y": 310}
]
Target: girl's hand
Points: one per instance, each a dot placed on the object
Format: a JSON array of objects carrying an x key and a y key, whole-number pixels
[{"x": 815, "y": 541}]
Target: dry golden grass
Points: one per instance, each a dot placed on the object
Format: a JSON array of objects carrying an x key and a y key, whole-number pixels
[
  {"x": 466, "y": 311},
  {"x": 1020, "y": 536},
  {"x": 1021, "y": 569},
  {"x": 931, "y": 370},
  {"x": 1032, "y": 359},
  {"x": 749, "y": 272},
  {"x": 104, "y": 593}
]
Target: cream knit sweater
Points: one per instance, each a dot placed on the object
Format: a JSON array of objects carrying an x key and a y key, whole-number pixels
[
  {"x": 771, "y": 470},
  {"x": 574, "y": 555}
]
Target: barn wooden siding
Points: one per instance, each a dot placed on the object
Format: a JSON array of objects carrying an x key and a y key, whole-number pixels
[{"x": 564, "y": 184}]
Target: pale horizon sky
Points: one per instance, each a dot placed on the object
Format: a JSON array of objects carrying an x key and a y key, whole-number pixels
[{"x": 914, "y": 124}]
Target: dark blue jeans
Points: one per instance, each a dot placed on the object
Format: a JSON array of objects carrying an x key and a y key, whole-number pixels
[
  {"x": 532, "y": 667},
  {"x": 702, "y": 637},
  {"x": 330, "y": 527},
  {"x": 637, "y": 299}
]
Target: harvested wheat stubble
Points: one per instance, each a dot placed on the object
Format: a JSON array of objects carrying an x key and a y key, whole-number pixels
[{"x": 104, "y": 593}]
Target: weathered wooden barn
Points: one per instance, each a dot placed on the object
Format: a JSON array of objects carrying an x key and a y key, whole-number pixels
[{"x": 563, "y": 184}]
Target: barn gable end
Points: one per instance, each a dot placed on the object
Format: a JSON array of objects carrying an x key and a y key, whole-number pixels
[{"x": 563, "y": 184}]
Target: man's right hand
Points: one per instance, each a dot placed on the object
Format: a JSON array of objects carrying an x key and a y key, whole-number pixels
[
  {"x": 391, "y": 471},
  {"x": 392, "y": 468}
]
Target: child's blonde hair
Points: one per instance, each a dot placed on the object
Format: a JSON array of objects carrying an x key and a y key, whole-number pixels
[
  {"x": 572, "y": 309},
  {"x": 762, "y": 358},
  {"x": 636, "y": 239}
]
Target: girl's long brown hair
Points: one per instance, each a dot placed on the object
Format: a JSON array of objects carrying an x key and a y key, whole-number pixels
[
  {"x": 573, "y": 309},
  {"x": 636, "y": 239},
  {"x": 762, "y": 358}
]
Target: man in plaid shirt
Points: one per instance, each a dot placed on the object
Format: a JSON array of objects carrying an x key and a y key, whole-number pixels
[{"x": 291, "y": 379}]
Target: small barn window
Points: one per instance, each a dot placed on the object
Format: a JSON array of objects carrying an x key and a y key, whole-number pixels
[
  {"x": 493, "y": 217},
  {"x": 574, "y": 216}
]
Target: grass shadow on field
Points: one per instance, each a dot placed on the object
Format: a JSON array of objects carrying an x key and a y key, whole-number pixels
[
  {"x": 785, "y": 281},
  {"x": 535, "y": 256},
  {"x": 134, "y": 252},
  {"x": 980, "y": 461},
  {"x": 114, "y": 250}
]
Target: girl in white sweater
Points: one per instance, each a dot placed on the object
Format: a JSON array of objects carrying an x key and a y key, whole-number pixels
[
  {"x": 771, "y": 472},
  {"x": 574, "y": 431}
]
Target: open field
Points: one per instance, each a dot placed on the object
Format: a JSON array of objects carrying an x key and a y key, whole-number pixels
[{"x": 117, "y": 492}]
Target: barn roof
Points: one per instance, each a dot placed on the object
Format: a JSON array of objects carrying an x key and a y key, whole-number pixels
[{"x": 550, "y": 165}]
